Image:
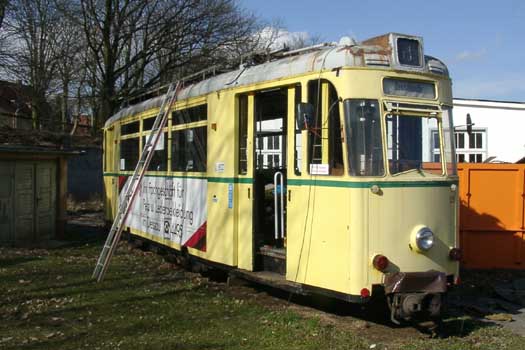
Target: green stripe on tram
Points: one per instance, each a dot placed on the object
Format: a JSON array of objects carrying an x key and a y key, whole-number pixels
[
  {"x": 240, "y": 180},
  {"x": 367, "y": 184},
  {"x": 312, "y": 182}
]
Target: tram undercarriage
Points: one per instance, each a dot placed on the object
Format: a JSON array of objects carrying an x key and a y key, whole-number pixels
[{"x": 415, "y": 295}]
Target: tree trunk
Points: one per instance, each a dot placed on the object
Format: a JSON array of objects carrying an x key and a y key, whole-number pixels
[
  {"x": 64, "y": 104},
  {"x": 3, "y": 5}
]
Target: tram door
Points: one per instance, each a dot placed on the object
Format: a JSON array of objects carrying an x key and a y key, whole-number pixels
[{"x": 269, "y": 204}]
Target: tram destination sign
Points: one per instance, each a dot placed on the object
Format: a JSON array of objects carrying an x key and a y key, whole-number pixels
[{"x": 409, "y": 88}]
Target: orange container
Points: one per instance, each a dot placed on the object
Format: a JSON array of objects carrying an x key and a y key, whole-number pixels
[{"x": 492, "y": 215}]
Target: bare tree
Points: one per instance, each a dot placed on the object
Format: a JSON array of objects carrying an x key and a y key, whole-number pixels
[
  {"x": 71, "y": 53},
  {"x": 3, "y": 5},
  {"x": 105, "y": 51},
  {"x": 136, "y": 44},
  {"x": 31, "y": 30}
]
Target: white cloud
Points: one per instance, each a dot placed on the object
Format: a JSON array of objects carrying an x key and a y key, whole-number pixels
[
  {"x": 276, "y": 38},
  {"x": 466, "y": 55},
  {"x": 511, "y": 89}
]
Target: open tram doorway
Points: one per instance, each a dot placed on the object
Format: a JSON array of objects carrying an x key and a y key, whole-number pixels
[{"x": 269, "y": 205}]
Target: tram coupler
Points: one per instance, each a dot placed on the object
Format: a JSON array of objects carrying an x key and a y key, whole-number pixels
[
  {"x": 415, "y": 295},
  {"x": 410, "y": 306}
]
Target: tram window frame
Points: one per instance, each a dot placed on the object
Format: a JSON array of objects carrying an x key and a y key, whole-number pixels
[
  {"x": 334, "y": 140},
  {"x": 159, "y": 159},
  {"x": 242, "y": 148},
  {"x": 297, "y": 139},
  {"x": 190, "y": 115},
  {"x": 192, "y": 119},
  {"x": 130, "y": 128},
  {"x": 130, "y": 154},
  {"x": 147, "y": 123},
  {"x": 182, "y": 155},
  {"x": 270, "y": 105},
  {"x": 355, "y": 140}
]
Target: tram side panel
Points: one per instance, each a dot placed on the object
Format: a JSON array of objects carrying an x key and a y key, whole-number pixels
[
  {"x": 220, "y": 234},
  {"x": 318, "y": 241}
]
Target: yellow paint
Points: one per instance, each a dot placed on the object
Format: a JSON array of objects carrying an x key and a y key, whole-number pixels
[
  {"x": 244, "y": 198},
  {"x": 332, "y": 232}
]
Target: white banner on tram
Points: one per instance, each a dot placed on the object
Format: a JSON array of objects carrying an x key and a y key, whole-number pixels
[{"x": 173, "y": 209}]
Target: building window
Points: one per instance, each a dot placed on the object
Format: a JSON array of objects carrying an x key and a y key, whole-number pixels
[
  {"x": 436, "y": 152},
  {"x": 269, "y": 142},
  {"x": 260, "y": 161},
  {"x": 270, "y": 112},
  {"x": 276, "y": 161},
  {"x": 471, "y": 148}
]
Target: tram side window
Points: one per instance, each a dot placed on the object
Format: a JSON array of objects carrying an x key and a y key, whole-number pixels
[
  {"x": 159, "y": 160},
  {"x": 190, "y": 115},
  {"x": 315, "y": 145},
  {"x": 189, "y": 149},
  {"x": 243, "y": 134},
  {"x": 324, "y": 136},
  {"x": 147, "y": 124},
  {"x": 363, "y": 129},
  {"x": 129, "y": 128},
  {"x": 129, "y": 153}
]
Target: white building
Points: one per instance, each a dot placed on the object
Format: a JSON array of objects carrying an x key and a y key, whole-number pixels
[{"x": 498, "y": 130}]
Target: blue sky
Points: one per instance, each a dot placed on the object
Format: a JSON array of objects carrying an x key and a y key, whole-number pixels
[{"x": 482, "y": 42}]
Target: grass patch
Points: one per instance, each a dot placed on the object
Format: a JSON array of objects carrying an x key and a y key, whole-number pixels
[{"x": 50, "y": 302}]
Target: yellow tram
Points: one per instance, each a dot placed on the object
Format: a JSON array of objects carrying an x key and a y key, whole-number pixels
[{"x": 328, "y": 169}]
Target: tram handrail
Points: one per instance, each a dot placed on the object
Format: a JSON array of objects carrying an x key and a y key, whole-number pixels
[{"x": 279, "y": 193}]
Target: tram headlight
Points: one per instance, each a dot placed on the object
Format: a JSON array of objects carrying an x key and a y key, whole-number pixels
[{"x": 424, "y": 238}]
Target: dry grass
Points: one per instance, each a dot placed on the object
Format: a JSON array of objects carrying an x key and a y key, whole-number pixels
[{"x": 50, "y": 302}]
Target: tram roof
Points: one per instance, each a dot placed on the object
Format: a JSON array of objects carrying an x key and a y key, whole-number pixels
[{"x": 372, "y": 53}]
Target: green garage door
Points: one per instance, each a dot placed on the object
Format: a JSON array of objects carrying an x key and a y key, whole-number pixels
[
  {"x": 45, "y": 200},
  {"x": 24, "y": 201},
  {"x": 27, "y": 200},
  {"x": 6, "y": 201}
]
